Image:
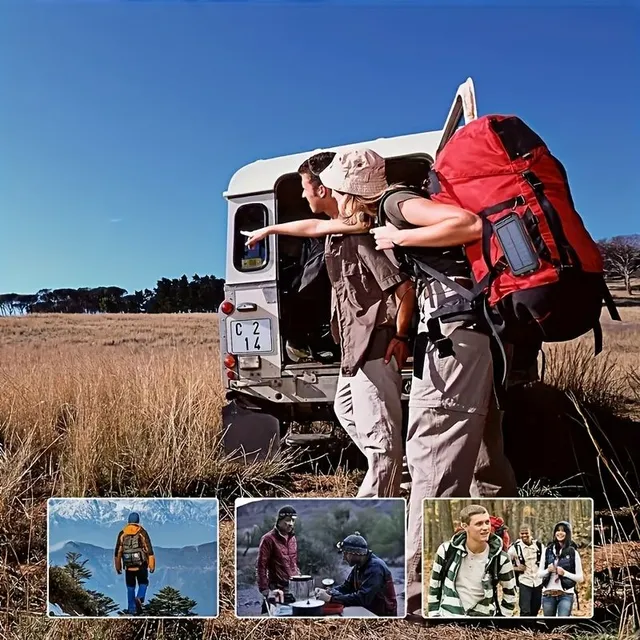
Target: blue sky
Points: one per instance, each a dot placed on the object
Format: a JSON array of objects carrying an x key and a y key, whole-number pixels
[{"x": 121, "y": 123}]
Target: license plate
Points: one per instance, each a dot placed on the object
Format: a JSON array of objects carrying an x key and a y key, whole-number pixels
[{"x": 250, "y": 336}]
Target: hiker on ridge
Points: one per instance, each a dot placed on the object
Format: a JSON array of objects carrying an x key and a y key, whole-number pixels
[{"x": 134, "y": 554}]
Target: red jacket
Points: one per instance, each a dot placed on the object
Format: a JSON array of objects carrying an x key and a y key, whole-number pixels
[{"x": 277, "y": 560}]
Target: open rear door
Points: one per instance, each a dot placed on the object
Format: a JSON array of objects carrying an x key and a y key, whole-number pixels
[{"x": 462, "y": 111}]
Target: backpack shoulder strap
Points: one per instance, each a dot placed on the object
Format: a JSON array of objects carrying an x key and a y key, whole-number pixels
[
  {"x": 495, "y": 579},
  {"x": 495, "y": 570},
  {"x": 388, "y": 209}
]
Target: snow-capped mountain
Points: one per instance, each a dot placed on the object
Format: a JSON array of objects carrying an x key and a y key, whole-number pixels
[{"x": 152, "y": 511}]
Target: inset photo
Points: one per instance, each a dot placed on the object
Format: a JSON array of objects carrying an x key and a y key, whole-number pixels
[
  {"x": 320, "y": 557},
  {"x": 150, "y": 557},
  {"x": 524, "y": 557}
]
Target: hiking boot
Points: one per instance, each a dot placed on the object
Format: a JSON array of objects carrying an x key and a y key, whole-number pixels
[{"x": 138, "y": 606}]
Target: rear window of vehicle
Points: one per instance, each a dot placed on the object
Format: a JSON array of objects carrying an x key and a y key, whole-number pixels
[{"x": 250, "y": 217}]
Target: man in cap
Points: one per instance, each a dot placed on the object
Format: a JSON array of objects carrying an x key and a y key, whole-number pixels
[
  {"x": 369, "y": 584},
  {"x": 134, "y": 553},
  {"x": 278, "y": 557}
]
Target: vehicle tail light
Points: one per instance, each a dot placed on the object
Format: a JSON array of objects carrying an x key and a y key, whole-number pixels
[
  {"x": 249, "y": 362},
  {"x": 227, "y": 307},
  {"x": 230, "y": 361}
]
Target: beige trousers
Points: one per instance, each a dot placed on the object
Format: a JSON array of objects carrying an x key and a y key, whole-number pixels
[
  {"x": 369, "y": 408},
  {"x": 454, "y": 440}
]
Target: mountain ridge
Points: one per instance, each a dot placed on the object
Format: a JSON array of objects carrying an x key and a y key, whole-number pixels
[{"x": 192, "y": 569}]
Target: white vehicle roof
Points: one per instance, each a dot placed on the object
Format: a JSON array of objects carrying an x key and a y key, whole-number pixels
[{"x": 262, "y": 175}]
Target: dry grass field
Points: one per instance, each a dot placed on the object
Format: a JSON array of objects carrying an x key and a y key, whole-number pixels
[{"x": 130, "y": 405}]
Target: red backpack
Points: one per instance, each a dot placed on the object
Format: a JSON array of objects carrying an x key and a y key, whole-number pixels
[
  {"x": 501, "y": 530},
  {"x": 537, "y": 273}
]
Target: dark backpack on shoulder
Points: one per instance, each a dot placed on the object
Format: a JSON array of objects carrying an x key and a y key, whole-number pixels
[{"x": 133, "y": 551}]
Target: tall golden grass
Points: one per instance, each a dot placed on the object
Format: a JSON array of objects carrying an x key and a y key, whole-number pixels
[{"x": 130, "y": 405}]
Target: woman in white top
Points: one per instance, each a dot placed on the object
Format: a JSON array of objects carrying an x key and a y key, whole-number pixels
[{"x": 560, "y": 572}]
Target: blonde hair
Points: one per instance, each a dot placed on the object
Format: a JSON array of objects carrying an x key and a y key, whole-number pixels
[{"x": 357, "y": 209}]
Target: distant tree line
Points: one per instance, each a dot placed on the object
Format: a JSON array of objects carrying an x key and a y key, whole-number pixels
[
  {"x": 621, "y": 258},
  {"x": 177, "y": 295}
]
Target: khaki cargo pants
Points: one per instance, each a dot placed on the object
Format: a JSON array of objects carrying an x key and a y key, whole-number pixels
[
  {"x": 454, "y": 439},
  {"x": 369, "y": 408}
]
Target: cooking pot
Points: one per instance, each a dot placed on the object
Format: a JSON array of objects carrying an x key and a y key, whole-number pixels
[
  {"x": 308, "y": 607},
  {"x": 301, "y": 587}
]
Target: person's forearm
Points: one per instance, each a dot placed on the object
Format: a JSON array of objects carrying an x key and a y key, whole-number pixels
[
  {"x": 448, "y": 233},
  {"x": 310, "y": 228},
  {"x": 301, "y": 228},
  {"x": 406, "y": 297}
]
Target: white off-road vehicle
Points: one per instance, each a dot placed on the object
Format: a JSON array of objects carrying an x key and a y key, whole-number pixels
[{"x": 266, "y": 389}]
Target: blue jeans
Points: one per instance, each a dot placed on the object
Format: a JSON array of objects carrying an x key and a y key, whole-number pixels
[{"x": 559, "y": 606}]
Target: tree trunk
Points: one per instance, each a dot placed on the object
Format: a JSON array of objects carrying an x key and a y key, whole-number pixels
[{"x": 627, "y": 283}]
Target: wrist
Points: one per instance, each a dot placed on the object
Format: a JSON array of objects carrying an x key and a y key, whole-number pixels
[
  {"x": 401, "y": 336},
  {"x": 399, "y": 237}
]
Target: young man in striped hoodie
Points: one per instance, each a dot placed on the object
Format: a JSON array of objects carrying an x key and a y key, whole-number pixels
[{"x": 467, "y": 570}]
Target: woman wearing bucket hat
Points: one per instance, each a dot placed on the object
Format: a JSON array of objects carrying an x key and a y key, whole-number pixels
[
  {"x": 371, "y": 310},
  {"x": 454, "y": 440}
]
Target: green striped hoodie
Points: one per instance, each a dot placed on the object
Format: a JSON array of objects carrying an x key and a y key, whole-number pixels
[{"x": 443, "y": 598}]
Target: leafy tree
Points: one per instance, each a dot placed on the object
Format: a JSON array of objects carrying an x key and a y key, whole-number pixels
[
  {"x": 387, "y": 537},
  {"x": 170, "y": 602}
]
